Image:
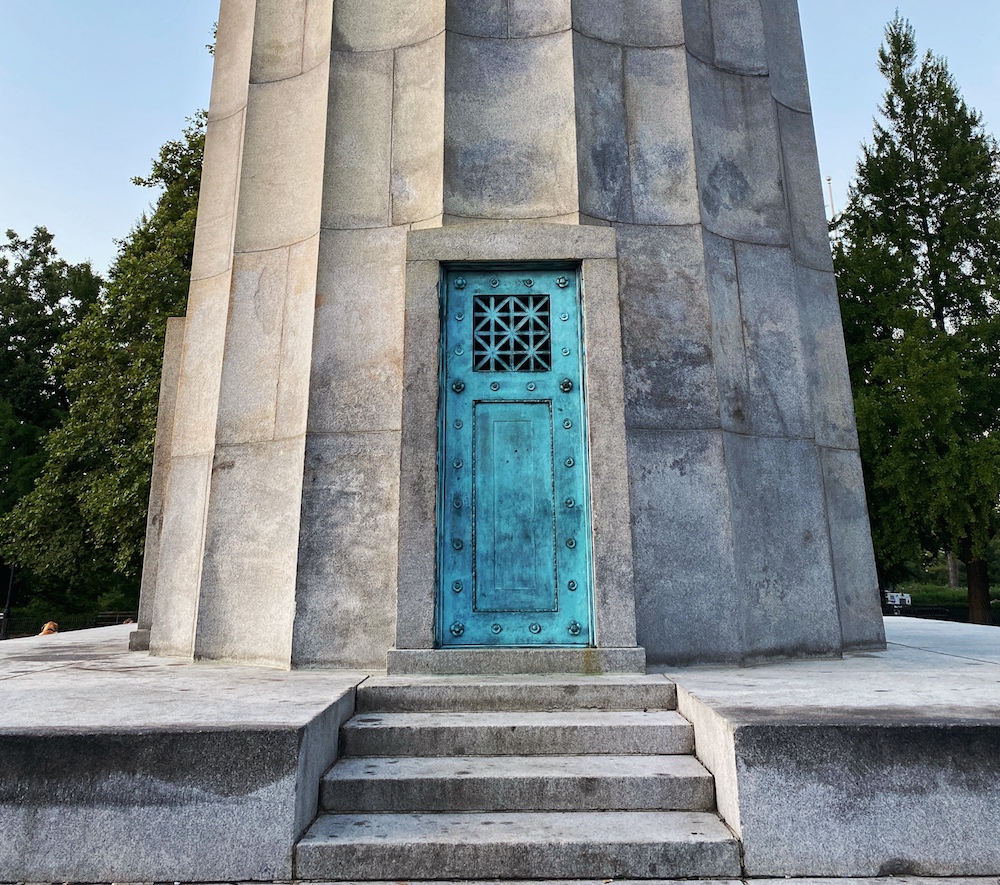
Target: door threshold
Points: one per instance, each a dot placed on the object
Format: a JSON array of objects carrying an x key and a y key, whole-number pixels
[{"x": 513, "y": 661}]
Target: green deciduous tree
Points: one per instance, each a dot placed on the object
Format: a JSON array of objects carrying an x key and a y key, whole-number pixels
[
  {"x": 918, "y": 263},
  {"x": 84, "y": 521}
]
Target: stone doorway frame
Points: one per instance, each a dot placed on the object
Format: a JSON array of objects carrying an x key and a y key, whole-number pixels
[{"x": 594, "y": 249}]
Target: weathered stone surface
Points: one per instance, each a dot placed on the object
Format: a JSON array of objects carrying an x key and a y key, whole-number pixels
[
  {"x": 511, "y": 241},
  {"x": 247, "y": 599},
  {"x": 231, "y": 60},
  {"x": 201, "y": 366},
  {"x": 513, "y": 733},
  {"x": 666, "y": 329},
  {"x": 414, "y": 694},
  {"x": 806, "y": 209},
  {"x": 614, "y": 604},
  {"x": 728, "y": 338},
  {"x": 363, "y": 26},
  {"x": 661, "y": 146},
  {"x": 172, "y": 347},
  {"x": 687, "y": 604},
  {"x": 826, "y": 359},
  {"x": 265, "y": 371},
  {"x": 478, "y": 18},
  {"x": 782, "y": 547},
  {"x": 388, "y": 846},
  {"x": 510, "y": 140},
  {"x": 536, "y": 18},
  {"x": 213, "y": 252},
  {"x": 776, "y": 363},
  {"x": 738, "y": 156},
  {"x": 357, "y": 370},
  {"x": 517, "y": 783},
  {"x": 601, "y": 130},
  {"x": 357, "y": 172},
  {"x": 418, "y": 461},
  {"x": 418, "y": 132},
  {"x": 345, "y": 597},
  {"x": 182, "y": 539},
  {"x": 206, "y": 772},
  {"x": 698, "y": 36},
  {"x": 630, "y": 22},
  {"x": 279, "y": 201},
  {"x": 858, "y": 597},
  {"x": 515, "y": 661},
  {"x": 785, "y": 55},
  {"x": 738, "y": 36},
  {"x": 881, "y": 764}
]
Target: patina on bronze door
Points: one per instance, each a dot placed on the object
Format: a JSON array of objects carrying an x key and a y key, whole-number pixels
[{"x": 514, "y": 538}]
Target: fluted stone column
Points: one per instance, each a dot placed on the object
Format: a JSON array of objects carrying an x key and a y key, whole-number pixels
[
  {"x": 383, "y": 176},
  {"x": 182, "y": 532}
]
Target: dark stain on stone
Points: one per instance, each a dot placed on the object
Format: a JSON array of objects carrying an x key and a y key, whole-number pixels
[{"x": 727, "y": 187}]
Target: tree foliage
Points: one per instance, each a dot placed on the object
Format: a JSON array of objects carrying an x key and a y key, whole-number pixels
[
  {"x": 84, "y": 520},
  {"x": 918, "y": 263},
  {"x": 42, "y": 298}
]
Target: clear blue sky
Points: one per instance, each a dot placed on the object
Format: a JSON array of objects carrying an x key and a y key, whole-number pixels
[{"x": 90, "y": 89}]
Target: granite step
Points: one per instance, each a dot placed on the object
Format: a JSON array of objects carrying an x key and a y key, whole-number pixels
[
  {"x": 517, "y": 733},
  {"x": 517, "y": 783},
  {"x": 508, "y": 845},
  {"x": 402, "y": 694}
]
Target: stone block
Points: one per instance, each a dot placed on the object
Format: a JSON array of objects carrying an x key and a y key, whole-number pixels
[
  {"x": 296, "y": 352},
  {"x": 776, "y": 363},
  {"x": 201, "y": 366},
  {"x": 858, "y": 597},
  {"x": 786, "y": 60},
  {"x": 782, "y": 548},
  {"x": 738, "y": 36},
  {"x": 511, "y": 241},
  {"x": 247, "y": 407},
  {"x": 356, "y": 381},
  {"x": 418, "y": 462},
  {"x": 699, "y": 38},
  {"x": 478, "y": 18},
  {"x": 643, "y": 23},
  {"x": 728, "y": 343},
  {"x": 277, "y": 41},
  {"x": 614, "y": 602},
  {"x": 280, "y": 183},
  {"x": 661, "y": 146},
  {"x": 357, "y": 173},
  {"x": 806, "y": 208},
  {"x": 688, "y": 608},
  {"x": 182, "y": 539},
  {"x": 317, "y": 33},
  {"x": 826, "y": 359},
  {"x": 602, "y": 145},
  {"x": 670, "y": 378},
  {"x": 738, "y": 155},
  {"x": 418, "y": 132},
  {"x": 363, "y": 26},
  {"x": 247, "y": 598},
  {"x": 213, "y": 241},
  {"x": 345, "y": 597},
  {"x": 878, "y": 798},
  {"x": 510, "y": 128},
  {"x": 231, "y": 68},
  {"x": 172, "y": 347},
  {"x": 536, "y": 18}
]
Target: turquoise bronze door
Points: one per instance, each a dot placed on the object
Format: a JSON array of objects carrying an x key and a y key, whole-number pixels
[{"x": 514, "y": 540}]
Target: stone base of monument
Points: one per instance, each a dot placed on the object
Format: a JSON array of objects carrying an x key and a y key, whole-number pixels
[{"x": 123, "y": 767}]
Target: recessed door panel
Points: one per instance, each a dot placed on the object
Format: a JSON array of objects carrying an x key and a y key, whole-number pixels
[
  {"x": 513, "y": 508},
  {"x": 514, "y": 537}
]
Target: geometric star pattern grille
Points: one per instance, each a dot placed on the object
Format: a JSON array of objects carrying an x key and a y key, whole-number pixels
[{"x": 511, "y": 333}]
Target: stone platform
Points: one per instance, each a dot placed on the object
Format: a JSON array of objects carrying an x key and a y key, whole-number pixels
[{"x": 115, "y": 766}]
